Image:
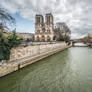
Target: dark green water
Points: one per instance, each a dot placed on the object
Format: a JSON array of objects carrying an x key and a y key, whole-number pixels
[{"x": 67, "y": 71}]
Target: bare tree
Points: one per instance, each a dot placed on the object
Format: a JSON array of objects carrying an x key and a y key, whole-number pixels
[{"x": 6, "y": 20}]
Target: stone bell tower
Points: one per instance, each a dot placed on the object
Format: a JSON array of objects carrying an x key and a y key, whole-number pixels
[
  {"x": 39, "y": 21},
  {"x": 49, "y": 25}
]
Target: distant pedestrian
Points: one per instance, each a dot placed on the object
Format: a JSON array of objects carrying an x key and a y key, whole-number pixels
[
  {"x": 5, "y": 61},
  {"x": 2, "y": 61}
]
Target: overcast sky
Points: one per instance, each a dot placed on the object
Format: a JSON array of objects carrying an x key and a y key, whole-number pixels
[{"x": 77, "y": 14}]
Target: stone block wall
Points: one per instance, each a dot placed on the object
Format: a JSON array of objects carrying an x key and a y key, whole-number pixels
[{"x": 23, "y": 52}]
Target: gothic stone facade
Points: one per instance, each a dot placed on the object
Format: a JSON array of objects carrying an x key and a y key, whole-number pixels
[{"x": 44, "y": 30}]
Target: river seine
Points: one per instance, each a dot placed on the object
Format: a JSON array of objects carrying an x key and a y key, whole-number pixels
[{"x": 66, "y": 71}]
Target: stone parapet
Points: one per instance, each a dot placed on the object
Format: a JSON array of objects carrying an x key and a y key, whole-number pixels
[{"x": 22, "y": 52}]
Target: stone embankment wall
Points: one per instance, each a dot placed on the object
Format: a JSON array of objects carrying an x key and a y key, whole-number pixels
[
  {"x": 22, "y": 52},
  {"x": 23, "y": 56}
]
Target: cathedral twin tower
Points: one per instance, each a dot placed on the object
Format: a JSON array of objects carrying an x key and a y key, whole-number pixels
[{"x": 44, "y": 30}]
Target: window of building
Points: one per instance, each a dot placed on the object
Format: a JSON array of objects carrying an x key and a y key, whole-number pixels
[
  {"x": 48, "y": 19},
  {"x": 38, "y": 19},
  {"x": 43, "y": 29},
  {"x": 48, "y": 31},
  {"x": 38, "y": 31}
]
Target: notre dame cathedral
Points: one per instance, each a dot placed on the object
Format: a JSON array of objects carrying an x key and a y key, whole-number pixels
[{"x": 44, "y": 30}]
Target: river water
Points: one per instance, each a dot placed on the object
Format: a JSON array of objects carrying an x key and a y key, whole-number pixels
[{"x": 67, "y": 71}]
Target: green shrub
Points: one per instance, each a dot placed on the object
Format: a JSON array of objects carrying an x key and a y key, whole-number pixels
[{"x": 5, "y": 47}]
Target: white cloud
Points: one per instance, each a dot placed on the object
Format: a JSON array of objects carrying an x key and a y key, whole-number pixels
[
  {"x": 77, "y": 36},
  {"x": 76, "y": 13}
]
